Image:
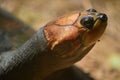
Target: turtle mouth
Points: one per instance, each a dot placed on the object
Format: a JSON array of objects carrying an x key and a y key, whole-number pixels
[{"x": 95, "y": 22}]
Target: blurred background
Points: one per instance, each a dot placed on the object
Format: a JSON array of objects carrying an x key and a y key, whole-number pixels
[{"x": 103, "y": 61}]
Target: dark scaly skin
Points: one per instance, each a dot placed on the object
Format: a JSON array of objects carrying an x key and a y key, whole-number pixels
[
  {"x": 5, "y": 43},
  {"x": 55, "y": 46}
]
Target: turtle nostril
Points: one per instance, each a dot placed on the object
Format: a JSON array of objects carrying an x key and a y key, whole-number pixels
[{"x": 102, "y": 16}]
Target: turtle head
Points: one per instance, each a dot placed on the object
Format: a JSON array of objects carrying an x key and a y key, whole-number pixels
[
  {"x": 71, "y": 37},
  {"x": 72, "y": 32}
]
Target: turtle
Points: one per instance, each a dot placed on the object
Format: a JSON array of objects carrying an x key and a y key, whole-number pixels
[
  {"x": 54, "y": 48},
  {"x": 5, "y": 43}
]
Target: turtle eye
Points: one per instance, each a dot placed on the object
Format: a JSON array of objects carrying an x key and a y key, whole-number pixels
[
  {"x": 102, "y": 16},
  {"x": 87, "y": 22}
]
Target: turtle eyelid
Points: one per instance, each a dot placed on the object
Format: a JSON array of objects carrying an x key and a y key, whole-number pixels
[{"x": 91, "y": 10}]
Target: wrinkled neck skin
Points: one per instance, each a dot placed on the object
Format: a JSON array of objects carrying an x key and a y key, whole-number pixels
[
  {"x": 16, "y": 63},
  {"x": 34, "y": 61}
]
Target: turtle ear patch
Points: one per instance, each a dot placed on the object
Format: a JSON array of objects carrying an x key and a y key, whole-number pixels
[{"x": 87, "y": 22}]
